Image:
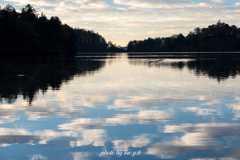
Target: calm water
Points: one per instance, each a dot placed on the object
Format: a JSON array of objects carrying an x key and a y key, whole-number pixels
[{"x": 84, "y": 107}]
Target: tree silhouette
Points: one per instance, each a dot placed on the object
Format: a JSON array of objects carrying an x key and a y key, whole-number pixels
[
  {"x": 217, "y": 37},
  {"x": 28, "y": 13},
  {"x": 89, "y": 41},
  {"x": 27, "y": 33}
]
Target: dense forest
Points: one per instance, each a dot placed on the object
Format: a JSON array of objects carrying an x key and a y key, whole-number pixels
[
  {"x": 89, "y": 41},
  {"x": 26, "y": 32},
  {"x": 217, "y": 37}
]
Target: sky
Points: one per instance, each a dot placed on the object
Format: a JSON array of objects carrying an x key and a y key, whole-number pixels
[{"x": 120, "y": 21}]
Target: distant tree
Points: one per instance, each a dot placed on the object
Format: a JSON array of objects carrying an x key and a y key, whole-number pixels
[
  {"x": 28, "y": 13},
  {"x": 114, "y": 48},
  {"x": 217, "y": 37},
  {"x": 197, "y": 30},
  {"x": 89, "y": 41}
]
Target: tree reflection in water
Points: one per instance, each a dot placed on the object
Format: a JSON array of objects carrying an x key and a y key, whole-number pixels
[
  {"x": 27, "y": 76},
  {"x": 215, "y": 68}
]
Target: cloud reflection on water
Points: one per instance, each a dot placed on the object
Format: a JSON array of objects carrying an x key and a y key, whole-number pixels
[
  {"x": 92, "y": 112},
  {"x": 142, "y": 117},
  {"x": 197, "y": 137}
]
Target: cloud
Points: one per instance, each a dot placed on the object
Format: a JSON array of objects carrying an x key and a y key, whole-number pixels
[
  {"x": 37, "y": 157},
  {"x": 136, "y": 142},
  {"x": 211, "y": 129},
  {"x": 235, "y": 109},
  {"x": 9, "y": 111},
  {"x": 19, "y": 136},
  {"x": 91, "y": 3},
  {"x": 152, "y": 3},
  {"x": 212, "y": 1},
  {"x": 91, "y": 101},
  {"x": 7, "y": 116},
  {"x": 197, "y": 137},
  {"x": 142, "y": 117},
  {"x": 81, "y": 155},
  {"x": 45, "y": 3},
  {"x": 82, "y": 123},
  {"x": 96, "y": 137},
  {"x": 61, "y": 3},
  {"x": 187, "y": 143},
  {"x": 201, "y": 111},
  {"x": 145, "y": 101}
]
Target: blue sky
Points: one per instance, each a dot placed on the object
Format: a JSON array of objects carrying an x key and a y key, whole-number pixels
[{"x": 120, "y": 21}]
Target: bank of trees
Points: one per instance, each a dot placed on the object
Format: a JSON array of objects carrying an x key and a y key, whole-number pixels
[
  {"x": 26, "y": 32},
  {"x": 217, "y": 37},
  {"x": 89, "y": 41}
]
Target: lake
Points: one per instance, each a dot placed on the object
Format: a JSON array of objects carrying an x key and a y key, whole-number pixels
[{"x": 119, "y": 106}]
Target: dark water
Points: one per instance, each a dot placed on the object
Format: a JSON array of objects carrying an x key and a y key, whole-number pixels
[{"x": 119, "y": 107}]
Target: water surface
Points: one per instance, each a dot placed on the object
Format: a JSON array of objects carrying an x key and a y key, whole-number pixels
[{"x": 76, "y": 108}]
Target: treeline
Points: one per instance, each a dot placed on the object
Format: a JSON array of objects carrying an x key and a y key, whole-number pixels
[
  {"x": 89, "y": 41},
  {"x": 217, "y": 37},
  {"x": 26, "y": 32}
]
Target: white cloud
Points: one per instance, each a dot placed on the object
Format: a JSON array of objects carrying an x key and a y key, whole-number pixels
[
  {"x": 82, "y": 123},
  {"x": 7, "y": 115},
  {"x": 136, "y": 142},
  {"x": 235, "y": 109},
  {"x": 96, "y": 137},
  {"x": 91, "y": 3},
  {"x": 142, "y": 117},
  {"x": 145, "y": 101},
  {"x": 9, "y": 111},
  {"x": 81, "y": 155},
  {"x": 37, "y": 157},
  {"x": 17, "y": 136},
  {"x": 153, "y": 3},
  {"x": 201, "y": 111},
  {"x": 211, "y": 129},
  {"x": 197, "y": 137},
  {"x": 44, "y": 3},
  {"x": 187, "y": 143},
  {"x": 91, "y": 101}
]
